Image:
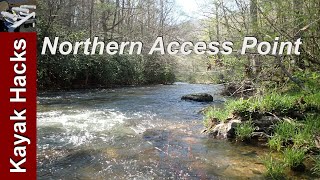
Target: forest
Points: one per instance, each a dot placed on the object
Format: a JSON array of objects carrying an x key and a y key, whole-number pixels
[
  {"x": 283, "y": 87},
  {"x": 110, "y": 21}
]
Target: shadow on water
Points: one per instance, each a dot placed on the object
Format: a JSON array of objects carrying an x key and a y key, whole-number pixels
[{"x": 135, "y": 133}]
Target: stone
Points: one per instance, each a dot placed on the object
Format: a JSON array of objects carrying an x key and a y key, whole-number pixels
[
  {"x": 260, "y": 136},
  {"x": 265, "y": 123},
  {"x": 225, "y": 130},
  {"x": 200, "y": 97}
]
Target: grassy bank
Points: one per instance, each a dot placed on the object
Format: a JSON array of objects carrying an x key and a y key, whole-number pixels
[{"x": 295, "y": 134}]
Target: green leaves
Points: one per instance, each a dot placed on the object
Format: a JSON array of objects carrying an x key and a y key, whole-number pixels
[
  {"x": 244, "y": 130},
  {"x": 293, "y": 157}
]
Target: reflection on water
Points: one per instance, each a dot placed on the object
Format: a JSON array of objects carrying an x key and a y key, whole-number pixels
[{"x": 135, "y": 133}]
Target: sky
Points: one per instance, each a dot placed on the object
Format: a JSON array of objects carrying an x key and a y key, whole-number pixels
[{"x": 190, "y": 7}]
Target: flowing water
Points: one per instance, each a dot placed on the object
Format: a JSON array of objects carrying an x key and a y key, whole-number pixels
[{"x": 136, "y": 133}]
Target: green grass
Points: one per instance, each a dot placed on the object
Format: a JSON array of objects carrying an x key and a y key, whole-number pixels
[
  {"x": 217, "y": 113},
  {"x": 313, "y": 100},
  {"x": 275, "y": 143},
  {"x": 244, "y": 130},
  {"x": 303, "y": 139},
  {"x": 222, "y": 114},
  {"x": 312, "y": 124},
  {"x": 285, "y": 130},
  {"x": 274, "y": 168},
  {"x": 273, "y": 102},
  {"x": 278, "y": 102},
  {"x": 316, "y": 167},
  {"x": 293, "y": 157},
  {"x": 301, "y": 135},
  {"x": 293, "y": 137}
]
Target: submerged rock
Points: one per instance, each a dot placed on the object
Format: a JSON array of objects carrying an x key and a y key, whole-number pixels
[
  {"x": 155, "y": 135},
  {"x": 200, "y": 97}
]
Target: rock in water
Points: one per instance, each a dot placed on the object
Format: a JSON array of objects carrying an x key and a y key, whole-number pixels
[
  {"x": 225, "y": 130},
  {"x": 200, "y": 97}
]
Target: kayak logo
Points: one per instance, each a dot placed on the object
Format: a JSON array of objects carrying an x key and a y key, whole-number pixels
[{"x": 15, "y": 18}]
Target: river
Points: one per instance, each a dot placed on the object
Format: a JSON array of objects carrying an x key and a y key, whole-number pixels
[{"x": 136, "y": 133}]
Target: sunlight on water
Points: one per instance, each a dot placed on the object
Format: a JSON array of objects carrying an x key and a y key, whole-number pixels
[
  {"x": 86, "y": 120},
  {"x": 134, "y": 133}
]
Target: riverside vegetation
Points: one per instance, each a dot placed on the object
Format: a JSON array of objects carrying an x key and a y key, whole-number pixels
[
  {"x": 274, "y": 98},
  {"x": 295, "y": 132}
]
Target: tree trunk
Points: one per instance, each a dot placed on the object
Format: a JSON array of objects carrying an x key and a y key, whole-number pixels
[
  {"x": 91, "y": 18},
  {"x": 298, "y": 24}
]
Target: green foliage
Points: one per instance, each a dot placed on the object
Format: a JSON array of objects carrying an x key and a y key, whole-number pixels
[
  {"x": 285, "y": 130},
  {"x": 293, "y": 157},
  {"x": 80, "y": 71},
  {"x": 275, "y": 142},
  {"x": 277, "y": 102},
  {"x": 316, "y": 167},
  {"x": 303, "y": 138},
  {"x": 221, "y": 115},
  {"x": 231, "y": 106},
  {"x": 312, "y": 124},
  {"x": 306, "y": 132},
  {"x": 313, "y": 101},
  {"x": 281, "y": 104},
  {"x": 238, "y": 106},
  {"x": 91, "y": 71},
  {"x": 275, "y": 168},
  {"x": 244, "y": 130},
  {"x": 300, "y": 134},
  {"x": 310, "y": 79}
]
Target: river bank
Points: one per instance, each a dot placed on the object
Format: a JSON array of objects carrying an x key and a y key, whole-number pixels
[{"x": 286, "y": 122}]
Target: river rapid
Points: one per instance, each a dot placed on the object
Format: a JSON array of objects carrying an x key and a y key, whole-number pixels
[{"x": 136, "y": 133}]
